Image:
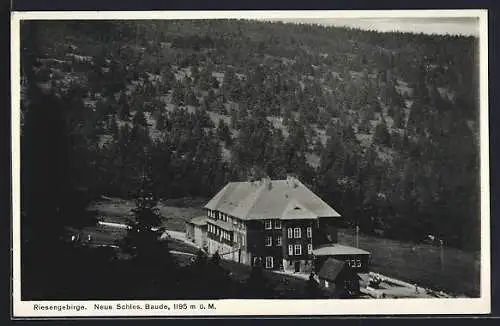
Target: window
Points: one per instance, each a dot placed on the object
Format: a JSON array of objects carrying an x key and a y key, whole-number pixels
[
  {"x": 326, "y": 284},
  {"x": 309, "y": 232},
  {"x": 278, "y": 240},
  {"x": 354, "y": 263},
  {"x": 290, "y": 250},
  {"x": 269, "y": 241},
  {"x": 298, "y": 250},
  {"x": 269, "y": 262},
  {"x": 309, "y": 249},
  {"x": 277, "y": 224},
  {"x": 290, "y": 233},
  {"x": 296, "y": 233},
  {"x": 268, "y": 224}
]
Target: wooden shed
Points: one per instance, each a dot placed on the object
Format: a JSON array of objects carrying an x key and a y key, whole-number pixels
[{"x": 338, "y": 279}]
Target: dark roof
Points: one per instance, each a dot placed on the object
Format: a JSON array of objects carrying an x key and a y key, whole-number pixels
[
  {"x": 199, "y": 220},
  {"x": 331, "y": 269},
  {"x": 285, "y": 199}
]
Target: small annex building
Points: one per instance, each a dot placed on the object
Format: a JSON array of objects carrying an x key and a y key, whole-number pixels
[
  {"x": 338, "y": 279},
  {"x": 356, "y": 259},
  {"x": 196, "y": 230}
]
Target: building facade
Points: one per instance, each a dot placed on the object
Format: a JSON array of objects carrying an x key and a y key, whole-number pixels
[{"x": 275, "y": 222}]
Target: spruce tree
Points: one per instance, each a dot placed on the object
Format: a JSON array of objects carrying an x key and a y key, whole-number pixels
[
  {"x": 381, "y": 135},
  {"x": 143, "y": 236}
]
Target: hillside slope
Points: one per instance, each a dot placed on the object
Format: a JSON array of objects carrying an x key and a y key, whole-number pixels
[{"x": 382, "y": 126}]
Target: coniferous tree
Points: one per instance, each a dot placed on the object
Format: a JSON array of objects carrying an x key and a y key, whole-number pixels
[
  {"x": 381, "y": 135},
  {"x": 224, "y": 133}
]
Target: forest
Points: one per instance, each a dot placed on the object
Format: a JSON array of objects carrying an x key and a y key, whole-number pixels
[{"x": 382, "y": 126}]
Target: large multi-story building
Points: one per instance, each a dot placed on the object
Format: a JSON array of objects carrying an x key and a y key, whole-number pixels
[{"x": 277, "y": 223}]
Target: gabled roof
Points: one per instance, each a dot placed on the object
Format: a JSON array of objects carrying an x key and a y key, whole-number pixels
[
  {"x": 337, "y": 249},
  {"x": 199, "y": 220},
  {"x": 331, "y": 269},
  {"x": 270, "y": 199}
]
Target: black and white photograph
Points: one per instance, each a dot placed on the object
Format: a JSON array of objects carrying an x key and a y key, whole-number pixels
[{"x": 186, "y": 163}]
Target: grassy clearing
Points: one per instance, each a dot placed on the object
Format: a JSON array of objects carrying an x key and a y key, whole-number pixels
[
  {"x": 421, "y": 263},
  {"x": 175, "y": 212}
]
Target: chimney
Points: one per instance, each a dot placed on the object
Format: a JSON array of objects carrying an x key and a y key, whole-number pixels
[
  {"x": 292, "y": 181},
  {"x": 266, "y": 181}
]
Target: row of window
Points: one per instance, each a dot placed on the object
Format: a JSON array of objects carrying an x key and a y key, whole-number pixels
[
  {"x": 269, "y": 261},
  {"x": 269, "y": 241},
  {"x": 354, "y": 263},
  {"x": 222, "y": 233},
  {"x": 226, "y": 218},
  {"x": 239, "y": 239},
  {"x": 268, "y": 224},
  {"x": 296, "y": 233},
  {"x": 296, "y": 250}
]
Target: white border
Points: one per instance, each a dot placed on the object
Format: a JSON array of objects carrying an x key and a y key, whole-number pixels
[{"x": 262, "y": 307}]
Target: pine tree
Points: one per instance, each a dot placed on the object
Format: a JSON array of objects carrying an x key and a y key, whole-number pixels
[
  {"x": 381, "y": 135},
  {"x": 224, "y": 133},
  {"x": 143, "y": 232},
  {"x": 178, "y": 95}
]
